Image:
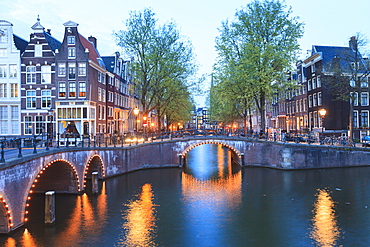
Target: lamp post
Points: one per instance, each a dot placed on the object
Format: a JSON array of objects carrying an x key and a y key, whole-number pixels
[
  {"x": 136, "y": 112},
  {"x": 50, "y": 128},
  {"x": 322, "y": 113}
]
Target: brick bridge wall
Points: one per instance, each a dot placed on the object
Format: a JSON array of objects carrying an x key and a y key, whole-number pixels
[{"x": 18, "y": 177}]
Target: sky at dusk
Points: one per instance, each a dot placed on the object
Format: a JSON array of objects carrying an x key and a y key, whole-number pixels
[{"x": 327, "y": 22}]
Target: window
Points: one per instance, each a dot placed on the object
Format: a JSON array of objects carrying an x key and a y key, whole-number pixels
[
  {"x": 309, "y": 85},
  {"x": 13, "y": 90},
  {"x": 39, "y": 125},
  {"x": 13, "y": 71},
  {"x": 2, "y": 71},
  {"x": 3, "y": 120},
  {"x": 364, "y": 82},
  {"x": 31, "y": 99},
  {"x": 71, "y": 52},
  {"x": 313, "y": 68},
  {"x": 99, "y": 93},
  {"x": 3, "y": 53},
  {"x": 354, "y": 98},
  {"x": 45, "y": 99},
  {"x": 103, "y": 95},
  {"x": 318, "y": 81},
  {"x": 355, "y": 119},
  {"x": 82, "y": 89},
  {"x": 62, "y": 89},
  {"x": 364, "y": 98},
  {"x": 15, "y": 118},
  {"x": 28, "y": 125},
  {"x": 365, "y": 118},
  {"x": 319, "y": 98},
  {"x": 31, "y": 74},
  {"x": 72, "y": 89},
  {"x": 3, "y": 90},
  {"x": 310, "y": 101},
  {"x": 38, "y": 50},
  {"x": 71, "y": 71},
  {"x": 71, "y": 40},
  {"x": 313, "y": 83},
  {"x": 82, "y": 69},
  {"x": 61, "y": 69},
  {"x": 101, "y": 77},
  {"x": 46, "y": 74},
  {"x": 304, "y": 104}
]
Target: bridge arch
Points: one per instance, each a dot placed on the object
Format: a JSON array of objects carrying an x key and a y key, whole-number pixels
[
  {"x": 67, "y": 180},
  {"x": 95, "y": 163},
  {"x": 202, "y": 142},
  {"x": 6, "y": 223}
]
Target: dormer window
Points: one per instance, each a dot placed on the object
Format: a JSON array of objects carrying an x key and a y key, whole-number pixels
[{"x": 71, "y": 40}]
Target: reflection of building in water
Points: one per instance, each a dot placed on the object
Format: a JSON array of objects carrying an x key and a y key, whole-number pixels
[
  {"x": 325, "y": 230},
  {"x": 224, "y": 190},
  {"x": 140, "y": 220}
]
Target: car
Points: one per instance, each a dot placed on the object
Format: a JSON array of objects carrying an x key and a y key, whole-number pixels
[{"x": 366, "y": 141}]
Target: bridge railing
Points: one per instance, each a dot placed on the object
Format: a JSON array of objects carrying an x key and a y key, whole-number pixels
[{"x": 17, "y": 147}]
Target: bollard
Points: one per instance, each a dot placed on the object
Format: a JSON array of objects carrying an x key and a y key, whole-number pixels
[
  {"x": 94, "y": 181},
  {"x": 180, "y": 160},
  {"x": 49, "y": 208},
  {"x": 2, "y": 159}
]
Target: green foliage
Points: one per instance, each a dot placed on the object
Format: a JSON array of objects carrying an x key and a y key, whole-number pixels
[
  {"x": 256, "y": 51},
  {"x": 163, "y": 60}
]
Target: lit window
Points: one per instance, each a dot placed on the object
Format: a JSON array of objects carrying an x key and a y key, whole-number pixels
[
  {"x": 62, "y": 89},
  {"x": 72, "y": 89},
  {"x": 82, "y": 89},
  {"x": 13, "y": 90}
]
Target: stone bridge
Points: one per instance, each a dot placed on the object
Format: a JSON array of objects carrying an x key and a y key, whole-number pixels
[{"x": 66, "y": 170}]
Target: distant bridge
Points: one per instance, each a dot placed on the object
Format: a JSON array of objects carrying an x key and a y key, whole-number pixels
[{"x": 65, "y": 170}]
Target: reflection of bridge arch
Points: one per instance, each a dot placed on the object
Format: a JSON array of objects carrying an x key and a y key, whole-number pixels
[
  {"x": 59, "y": 175},
  {"x": 202, "y": 142},
  {"x": 95, "y": 163}
]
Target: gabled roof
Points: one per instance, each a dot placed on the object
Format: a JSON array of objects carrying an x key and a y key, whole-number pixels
[
  {"x": 20, "y": 43},
  {"x": 93, "y": 53},
  {"x": 109, "y": 62},
  {"x": 53, "y": 42},
  {"x": 328, "y": 53}
]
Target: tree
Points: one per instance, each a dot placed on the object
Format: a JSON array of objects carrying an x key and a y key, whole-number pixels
[
  {"x": 161, "y": 56},
  {"x": 256, "y": 50}
]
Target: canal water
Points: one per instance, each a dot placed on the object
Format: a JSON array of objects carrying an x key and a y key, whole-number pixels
[{"x": 211, "y": 202}]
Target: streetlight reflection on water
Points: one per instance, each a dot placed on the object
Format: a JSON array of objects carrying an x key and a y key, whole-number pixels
[{"x": 325, "y": 231}]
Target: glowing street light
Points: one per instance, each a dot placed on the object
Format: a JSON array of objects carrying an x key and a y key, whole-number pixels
[
  {"x": 136, "y": 112},
  {"x": 322, "y": 113}
]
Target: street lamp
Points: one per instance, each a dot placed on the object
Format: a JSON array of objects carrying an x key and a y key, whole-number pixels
[
  {"x": 136, "y": 112},
  {"x": 50, "y": 129},
  {"x": 322, "y": 113}
]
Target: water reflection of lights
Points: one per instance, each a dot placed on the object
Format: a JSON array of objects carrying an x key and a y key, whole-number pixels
[
  {"x": 140, "y": 220},
  {"x": 226, "y": 190},
  {"x": 85, "y": 218},
  {"x": 325, "y": 231}
]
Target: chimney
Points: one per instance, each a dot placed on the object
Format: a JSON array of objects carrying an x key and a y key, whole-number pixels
[
  {"x": 48, "y": 31},
  {"x": 353, "y": 43},
  {"x": 92, "y": 40}
]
